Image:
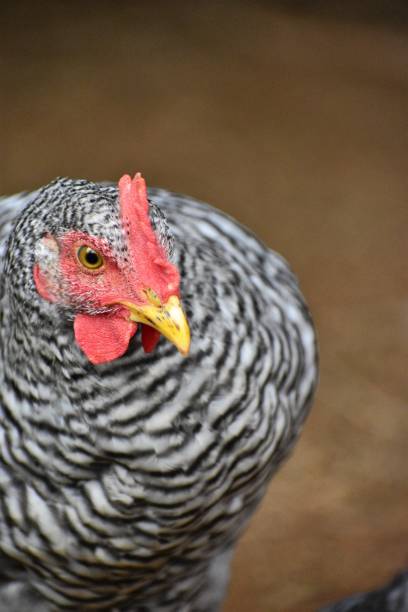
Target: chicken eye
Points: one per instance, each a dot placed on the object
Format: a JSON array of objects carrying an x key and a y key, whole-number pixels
[{"x": 90, "y": 259}]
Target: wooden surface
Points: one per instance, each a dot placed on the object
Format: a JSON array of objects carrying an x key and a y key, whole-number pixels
[{"x": 297, "y": 124}]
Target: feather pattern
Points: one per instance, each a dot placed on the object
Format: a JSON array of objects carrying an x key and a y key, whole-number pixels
[{"x": 124, "y": 486}]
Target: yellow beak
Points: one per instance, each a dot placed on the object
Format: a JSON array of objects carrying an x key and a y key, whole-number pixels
[{"x": 168, "y": 319}]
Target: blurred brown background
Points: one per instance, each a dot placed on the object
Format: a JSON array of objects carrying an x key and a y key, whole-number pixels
[{"x": 293, "y": 117}]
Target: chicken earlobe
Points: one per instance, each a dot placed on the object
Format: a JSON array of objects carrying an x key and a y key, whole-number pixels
[{"x": 45, "y": 269}]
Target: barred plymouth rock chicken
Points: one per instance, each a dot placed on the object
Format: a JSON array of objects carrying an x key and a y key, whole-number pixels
[
  {"x": 390, "y": 598},
  {"x": 130, "y": 463}
]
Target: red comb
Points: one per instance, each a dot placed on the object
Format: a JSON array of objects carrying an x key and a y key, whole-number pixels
[{"x": 154, "y": 270}]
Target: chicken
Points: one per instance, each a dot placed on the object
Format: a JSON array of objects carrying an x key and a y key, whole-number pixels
[
  {"x": 391, "y": 598},
  {"x": 130, "y": 463}
]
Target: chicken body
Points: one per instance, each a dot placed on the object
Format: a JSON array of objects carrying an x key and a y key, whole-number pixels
[
  {"x": 125, "y": 485},
  {"x": 391, "y": 598}
]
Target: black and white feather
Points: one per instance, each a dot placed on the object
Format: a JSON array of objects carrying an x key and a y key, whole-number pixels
[{"x": 125, "y": 486}]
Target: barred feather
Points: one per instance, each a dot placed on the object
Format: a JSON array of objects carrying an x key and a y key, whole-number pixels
[{"x": 124, "y": 486}]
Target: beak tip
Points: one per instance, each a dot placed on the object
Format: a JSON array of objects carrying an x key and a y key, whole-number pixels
[
  {"x": 185, "y": 351},
  {"x": 183, "y": 346},
  {"x": 169, "y": 319}
]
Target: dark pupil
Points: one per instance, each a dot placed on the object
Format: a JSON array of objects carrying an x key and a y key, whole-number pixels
[{"x": 92, "y": 258}]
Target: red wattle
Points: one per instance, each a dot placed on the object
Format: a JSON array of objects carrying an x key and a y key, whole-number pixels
[
  {"x": 150, "y": 338},
  {"x": 103, "y": 337}
]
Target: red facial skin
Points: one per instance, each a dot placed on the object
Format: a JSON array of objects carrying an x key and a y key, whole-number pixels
[{"x": 104, "y": 336}]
